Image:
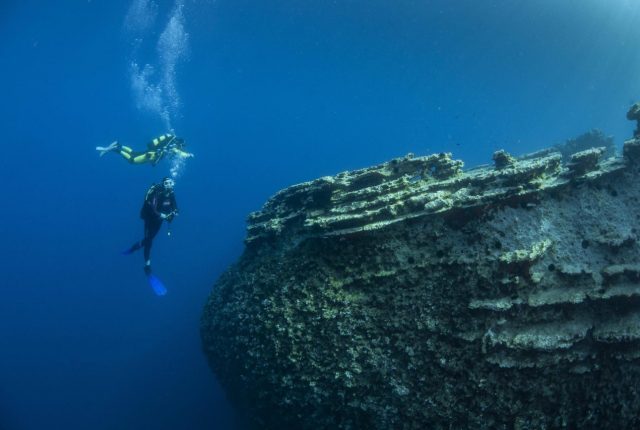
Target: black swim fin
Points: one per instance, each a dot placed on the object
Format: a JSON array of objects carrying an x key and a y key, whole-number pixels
[{"x": 133, "y": 249}]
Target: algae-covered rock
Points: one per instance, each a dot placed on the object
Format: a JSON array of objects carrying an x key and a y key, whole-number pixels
[
  {"x": 591, "y": 139},
  {"x": 414, "y": 295}
]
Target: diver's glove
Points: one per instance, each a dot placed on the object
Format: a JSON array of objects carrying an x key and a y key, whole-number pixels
[
  {"x": 182, "y": 154},
  {"x": 169, "y": 217}
]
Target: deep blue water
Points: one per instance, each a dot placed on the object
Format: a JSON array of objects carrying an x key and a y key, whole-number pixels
[{"x": 267, "y": 93}]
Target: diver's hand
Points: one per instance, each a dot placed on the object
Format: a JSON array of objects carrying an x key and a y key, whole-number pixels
[{"x": 168, "y": 216}]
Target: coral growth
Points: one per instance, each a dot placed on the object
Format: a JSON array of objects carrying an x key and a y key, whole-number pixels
[{"x": 415, "y": 295}]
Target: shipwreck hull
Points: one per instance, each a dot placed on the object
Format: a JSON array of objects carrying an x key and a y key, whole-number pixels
[{"x": 416, "y": 295}]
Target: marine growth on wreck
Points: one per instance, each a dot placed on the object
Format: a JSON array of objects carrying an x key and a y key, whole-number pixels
[{"x": 415, "y": 294}]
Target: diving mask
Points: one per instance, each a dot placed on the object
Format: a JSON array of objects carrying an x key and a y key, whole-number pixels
[{"x": 168, "y": 183}]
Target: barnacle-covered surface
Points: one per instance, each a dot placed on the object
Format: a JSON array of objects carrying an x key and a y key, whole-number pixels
[{"x": 416, "y": 295}]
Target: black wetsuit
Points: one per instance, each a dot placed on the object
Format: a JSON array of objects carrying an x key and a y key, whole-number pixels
[{"x": 158, "y": 201}]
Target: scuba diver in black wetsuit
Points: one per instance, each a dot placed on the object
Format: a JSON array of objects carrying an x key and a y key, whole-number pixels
[{"x": 159, "y": 205}]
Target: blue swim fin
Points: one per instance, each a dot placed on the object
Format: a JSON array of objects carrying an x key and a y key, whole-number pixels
[{"x": 156, "y": 284}]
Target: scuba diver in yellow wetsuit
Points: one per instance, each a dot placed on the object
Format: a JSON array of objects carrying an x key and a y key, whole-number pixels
[{"x": 167, "y": 144}]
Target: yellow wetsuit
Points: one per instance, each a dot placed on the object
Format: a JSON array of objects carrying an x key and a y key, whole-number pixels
[{"x": 156, "y": 150}]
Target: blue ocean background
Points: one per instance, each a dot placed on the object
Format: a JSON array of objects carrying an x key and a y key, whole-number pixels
[{"x": 267, "y": 93}]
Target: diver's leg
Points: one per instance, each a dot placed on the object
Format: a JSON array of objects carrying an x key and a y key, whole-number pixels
[
  {"x": 133, "y": 248},
  {"x": 151, "y": 229},
  {"x": 135, "y": 157},
  {"x": 127, "y": 153},
  {"x": 141, "y": 243},
  {"x": 141, "y": 158}
]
